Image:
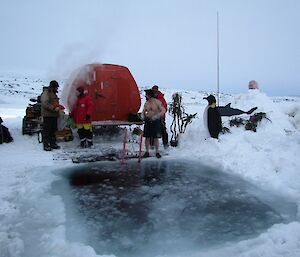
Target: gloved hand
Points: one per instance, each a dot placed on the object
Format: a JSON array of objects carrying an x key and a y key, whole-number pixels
[
  {"x": 57, "y": 109},
  {"x": 87, "y": 117},
  {"x": 155, "y": 117}
]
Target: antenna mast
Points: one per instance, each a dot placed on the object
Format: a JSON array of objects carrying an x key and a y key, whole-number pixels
[{"x": 218, "y": 62}]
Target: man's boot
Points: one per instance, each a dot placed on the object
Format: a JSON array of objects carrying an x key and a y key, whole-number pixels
[
  {"x": 89, "y": 143},
  {"x": 47, "y": 148},
  {"x": 89, "y": 138},
  {"x": 46, "y": 145},
  {"x": 53, "y": 144},
  {"x": 83, "y": 143}
]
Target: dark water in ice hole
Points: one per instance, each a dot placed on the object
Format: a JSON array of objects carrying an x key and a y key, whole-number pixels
[{"x": 165, "y": 207}]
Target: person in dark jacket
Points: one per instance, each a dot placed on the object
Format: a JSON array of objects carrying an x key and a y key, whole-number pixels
[
  {"x": 164, "y": 134},
  {"x": 50, "y": 112},
  {"x": 212, "y": 118},
  {"x": 82, "y": 115},
  {"x": 5, "y": 136}
]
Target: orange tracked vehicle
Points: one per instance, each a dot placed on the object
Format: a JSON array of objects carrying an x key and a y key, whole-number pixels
[{"x": 114, "y": 92}]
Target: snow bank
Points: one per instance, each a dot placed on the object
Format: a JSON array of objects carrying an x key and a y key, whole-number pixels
[{"x": 32, "y": 217}]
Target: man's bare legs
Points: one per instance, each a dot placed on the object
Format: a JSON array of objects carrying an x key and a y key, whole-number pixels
[
  {"x": 147, "y": 144},
  {"x": 156, "y": 144}
]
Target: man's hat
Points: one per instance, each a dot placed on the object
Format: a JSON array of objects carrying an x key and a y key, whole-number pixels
[
  {"x": 80, "y": 89},
  {"x": 155, "y": 87},
  {"x": 149, "y": 92},
  {"x": 211, "y": 99},
  {"x": 53, "y": 83}
]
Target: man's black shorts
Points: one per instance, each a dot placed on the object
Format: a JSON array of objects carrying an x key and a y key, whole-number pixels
[{"x": 152, "y": 128}]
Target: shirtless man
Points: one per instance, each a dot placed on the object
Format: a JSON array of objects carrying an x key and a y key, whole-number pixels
[{"x": 152, "y": 113}]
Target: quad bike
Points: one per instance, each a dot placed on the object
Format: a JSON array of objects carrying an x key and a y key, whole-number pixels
[{"x": 33, "y": 123}]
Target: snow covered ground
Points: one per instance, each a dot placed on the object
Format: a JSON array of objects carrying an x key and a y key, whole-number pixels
[{"x": 33, "y": 218}]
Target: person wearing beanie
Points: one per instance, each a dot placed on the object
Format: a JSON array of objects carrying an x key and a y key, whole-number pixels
[
  {"x": 212, "y": 118},
  {"x": 82, "y": 115},
  {"x": 50, "y": 112},
  {"x": 152, "y": 112}
]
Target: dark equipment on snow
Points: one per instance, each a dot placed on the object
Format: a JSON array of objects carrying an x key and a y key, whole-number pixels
[
  {"x": 134, "y": 117},
  {"x": 33, "y": 122},
  {"x": 236, "y": 122},
  {"x": 254, "y": 120},
  {"x": 225, "y": 130},
  {"x": 180, "y": 118},
  {"x": 251, "y": 123},
  {"x": 5, "y": 136}
]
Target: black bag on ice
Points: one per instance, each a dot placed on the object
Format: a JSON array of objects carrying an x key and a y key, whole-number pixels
[{"x": 5, "y": 136}]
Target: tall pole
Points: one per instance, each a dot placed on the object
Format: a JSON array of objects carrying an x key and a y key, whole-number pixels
[{"x": 218, "y": 62}]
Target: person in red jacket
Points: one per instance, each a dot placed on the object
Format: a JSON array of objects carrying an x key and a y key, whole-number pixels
[
  {"x": 82, "y": 115},
  {"x": 160, "y": 96}
]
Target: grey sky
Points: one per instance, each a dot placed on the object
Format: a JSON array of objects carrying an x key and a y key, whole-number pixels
[{"x": 169, "y": 43}]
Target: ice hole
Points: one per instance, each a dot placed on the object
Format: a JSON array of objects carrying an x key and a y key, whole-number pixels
[{"x": 164, "y": 207}]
